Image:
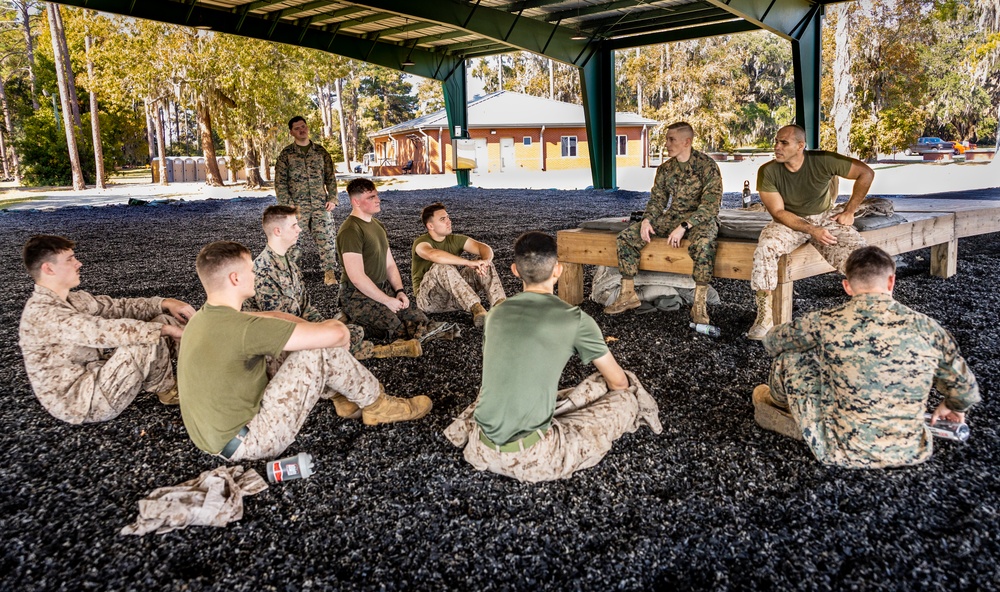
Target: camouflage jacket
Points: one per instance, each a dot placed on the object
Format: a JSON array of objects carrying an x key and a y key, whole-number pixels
[
  {"x": 877, "y": 362},
  {"x": 62, "y": 342},
  {"x": 690, "y": 191},
  {"x": 278, "y": 285},
  {"x": 305, "y": 180}
]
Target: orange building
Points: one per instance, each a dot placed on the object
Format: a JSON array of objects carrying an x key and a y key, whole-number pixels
[{"x": 512, "y": 131}]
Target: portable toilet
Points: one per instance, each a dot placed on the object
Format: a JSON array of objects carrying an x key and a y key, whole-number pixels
[
  {"x": 177, "y": 166},
  {"x": 190, "y": 170}
]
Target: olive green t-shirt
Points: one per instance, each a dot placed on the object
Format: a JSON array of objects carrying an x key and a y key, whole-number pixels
[
  {"x": 526, "y": 343},
  {"x": 453, "y": 244},
  {"x": 806, "y": 191},
  {"x": 221, "y": 371},
  {"x": 370, "y": 240}
]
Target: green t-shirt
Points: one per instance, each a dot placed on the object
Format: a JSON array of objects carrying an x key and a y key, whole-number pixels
[
  {"x": 370, "y": 240},
  {"x": 453, "y": 244},
  {"x": 527, "y": 341},
  {"x": 221, "y": 371},
  {"x": 806, "y": 191}
]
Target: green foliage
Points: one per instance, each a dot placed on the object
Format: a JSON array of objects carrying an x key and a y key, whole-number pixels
[{"x": 43, "y": 151}]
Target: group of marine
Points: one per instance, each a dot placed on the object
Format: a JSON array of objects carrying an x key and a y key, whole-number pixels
[{"x": 852, "y": 382}]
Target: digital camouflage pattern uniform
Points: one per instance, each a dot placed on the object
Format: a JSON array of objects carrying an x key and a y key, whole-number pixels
[
  {"x": 857, "y": 378},
  {"x": 278, "y": 286},
  {"x": 447, "y": 288},
  {"x": 377, "y": 319},
  {"x": 682, "y": 192},
  {"x": 65, "y": 345},
  {"x": 308, "y": 180}
]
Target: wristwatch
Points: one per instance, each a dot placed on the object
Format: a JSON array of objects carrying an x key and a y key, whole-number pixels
[{"x": 686, "y": 225}]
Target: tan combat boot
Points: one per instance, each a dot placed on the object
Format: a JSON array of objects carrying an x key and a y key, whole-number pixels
[
  {"x": 478, "y": 315},
  {"x": 497, "y": 303},
  {"x": 345, "y": 407},
  {"x": 771, "y": 416},
  {"x": 765, "y": 318},
  {"x": 169, "y": 396},
  {"x": 699, "y": 310},
  {"x": 627, "y": 299},
  {"x": 388, "y": 409},
  {"x": 399, "y": 349},
  {"x": 330, "y": 277}
]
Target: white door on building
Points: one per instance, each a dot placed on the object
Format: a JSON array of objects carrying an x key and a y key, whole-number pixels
[
  {"x": 507, "y": 162},
  {"x": 482, "y": 156}
]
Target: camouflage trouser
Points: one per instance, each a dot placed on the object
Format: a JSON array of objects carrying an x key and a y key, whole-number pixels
[
  {"x": 376, "y": 318},
  {"x": 320, "y": 224},
  {"x": 575, "y": 440},
  {"x": 109, "y": 386},
  {"x": 357, "y": 337},
  {"x": 777, "y": 239},
  {"x": 303, "y": 378},
  {"x": 702, "y": 247},
  {"x": 447, "y": 287}
]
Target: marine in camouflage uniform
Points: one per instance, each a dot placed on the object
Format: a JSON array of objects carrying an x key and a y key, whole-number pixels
[
  {"x": 856, "y": 379},
  {"x": 684, "y": 202},
  {"x": 305, "y": 177},
  {"x": 799, "y": 189}
]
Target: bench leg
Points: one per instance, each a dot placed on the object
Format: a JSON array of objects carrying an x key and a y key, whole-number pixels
[
  {"x": 781, "y": 303},
  {"x": 944, "y": 259},
  {"x": 571, "y": 283}
]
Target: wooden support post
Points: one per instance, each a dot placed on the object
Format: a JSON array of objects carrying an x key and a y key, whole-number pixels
[
  {"x": 944, "y": 259},
  {"x": 571, "y": 283},
  {"x": 781, "y": 303}
]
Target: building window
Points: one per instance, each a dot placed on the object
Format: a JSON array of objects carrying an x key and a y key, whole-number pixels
[
  {"x": 568, "y": 146},
  {"x": 621, "y": 147},
  {"x": 527, "y": 140}
]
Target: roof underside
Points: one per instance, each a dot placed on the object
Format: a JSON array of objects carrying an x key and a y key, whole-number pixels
[{"x": 436, "y": 34}]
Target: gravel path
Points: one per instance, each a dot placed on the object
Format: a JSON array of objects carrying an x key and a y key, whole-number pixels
[{"x": 712, "y": 503}]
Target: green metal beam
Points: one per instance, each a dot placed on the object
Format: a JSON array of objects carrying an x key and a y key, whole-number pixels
[
  {"x": 597, "y": 79},
  {"x": 727, "y": 28},
  {"x": 593, "y": 9},
  {"x": 806, "y": 63},
  {"x": 785, "y": 18},
  {"x": 457, "y": 107},
  {"x": 526, "y": 34}
]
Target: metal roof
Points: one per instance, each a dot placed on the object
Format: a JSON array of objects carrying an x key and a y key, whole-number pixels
[
  {"x": 510, "y": 109},
  {"x": 434, "y": 35}
]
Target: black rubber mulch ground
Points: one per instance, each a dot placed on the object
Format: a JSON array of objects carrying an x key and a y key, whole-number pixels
[{"x": 712, "y": 503}]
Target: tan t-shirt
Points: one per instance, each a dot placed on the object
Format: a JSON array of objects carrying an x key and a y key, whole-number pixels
[
  {"x": 221, "y": 371},
  {"x": 370, "y": 240}
]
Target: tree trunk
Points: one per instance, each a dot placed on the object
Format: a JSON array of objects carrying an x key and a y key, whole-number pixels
[
  {"x": 843, "y": 100},
  {"x": 74, "y": 99},
  {"x": 251, "y": 157},
  {"x": 160, "y": 141},
  {"x": 343, "y": 128},
  {"x": 638, "y": 84},
  {"x": 212, "y": 175},
  {"x": 95, "y": 121},
  {"x": 552, "y": 81},
  {"x": 74, "y": 155},
  {"x": 10, "y": 130},
  {"x": 150, "y": 135},
  {"x": 30, "y": 47},
  {"x": 265, "y": 165}
]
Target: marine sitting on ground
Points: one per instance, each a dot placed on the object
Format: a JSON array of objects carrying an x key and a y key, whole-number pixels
[
  {"x": 64, "y": 336},
  {"x": 443, "y": 281},
  {"x": 230, "y": 406},
  {"x": 521, "y": 426},
  {"x": 278, "y": 285},
  {"x": 854, "y": 381}
]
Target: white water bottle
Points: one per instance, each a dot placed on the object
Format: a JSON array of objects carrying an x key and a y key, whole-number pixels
[{"x": 299, "y": 466}]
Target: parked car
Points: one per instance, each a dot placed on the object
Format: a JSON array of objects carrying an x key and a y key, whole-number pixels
[{"x": 928, "y": 144}]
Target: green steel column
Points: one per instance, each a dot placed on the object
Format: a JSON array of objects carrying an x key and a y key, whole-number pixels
[
  {"x": 597, "y": 77},
  {"x": 457, "y": 107},
  {"x": 806, "y": 62}
]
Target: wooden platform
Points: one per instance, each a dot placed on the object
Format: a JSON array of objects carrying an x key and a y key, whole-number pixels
[{"x": 937, "y": 224}]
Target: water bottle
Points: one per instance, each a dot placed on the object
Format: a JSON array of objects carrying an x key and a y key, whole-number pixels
[
  {"x": 746, "y": 194},
  {"x": 299, "y": 466},
  {"x": 704, "y": 329},
  {"x": 949, "y": 430}
]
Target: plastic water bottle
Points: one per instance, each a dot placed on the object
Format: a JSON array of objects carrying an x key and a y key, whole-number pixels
[
  {"x": 949, "y": 430},
  {"x": 746, "y": 194},
  {"x": 299, "y": 466},
  {"x": 710, "y": 330}
]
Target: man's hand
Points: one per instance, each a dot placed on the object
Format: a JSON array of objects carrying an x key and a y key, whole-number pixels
[
  {"x": 403, "y": 299},
  {"x": 480, "y": 265},
  {"x": 171, "y": 331},
  {"x": 674, "y": 238},
  {"x": 946, "y": 414},
  {"x": 646, "y": 230},
  {"x": 398, "y": 303},
  {"x": 182, "y": 311},
  {"x": 822, "y": 235},
  {"x": 844, "y": 218},
  {"x": 330, "y": 205}
]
